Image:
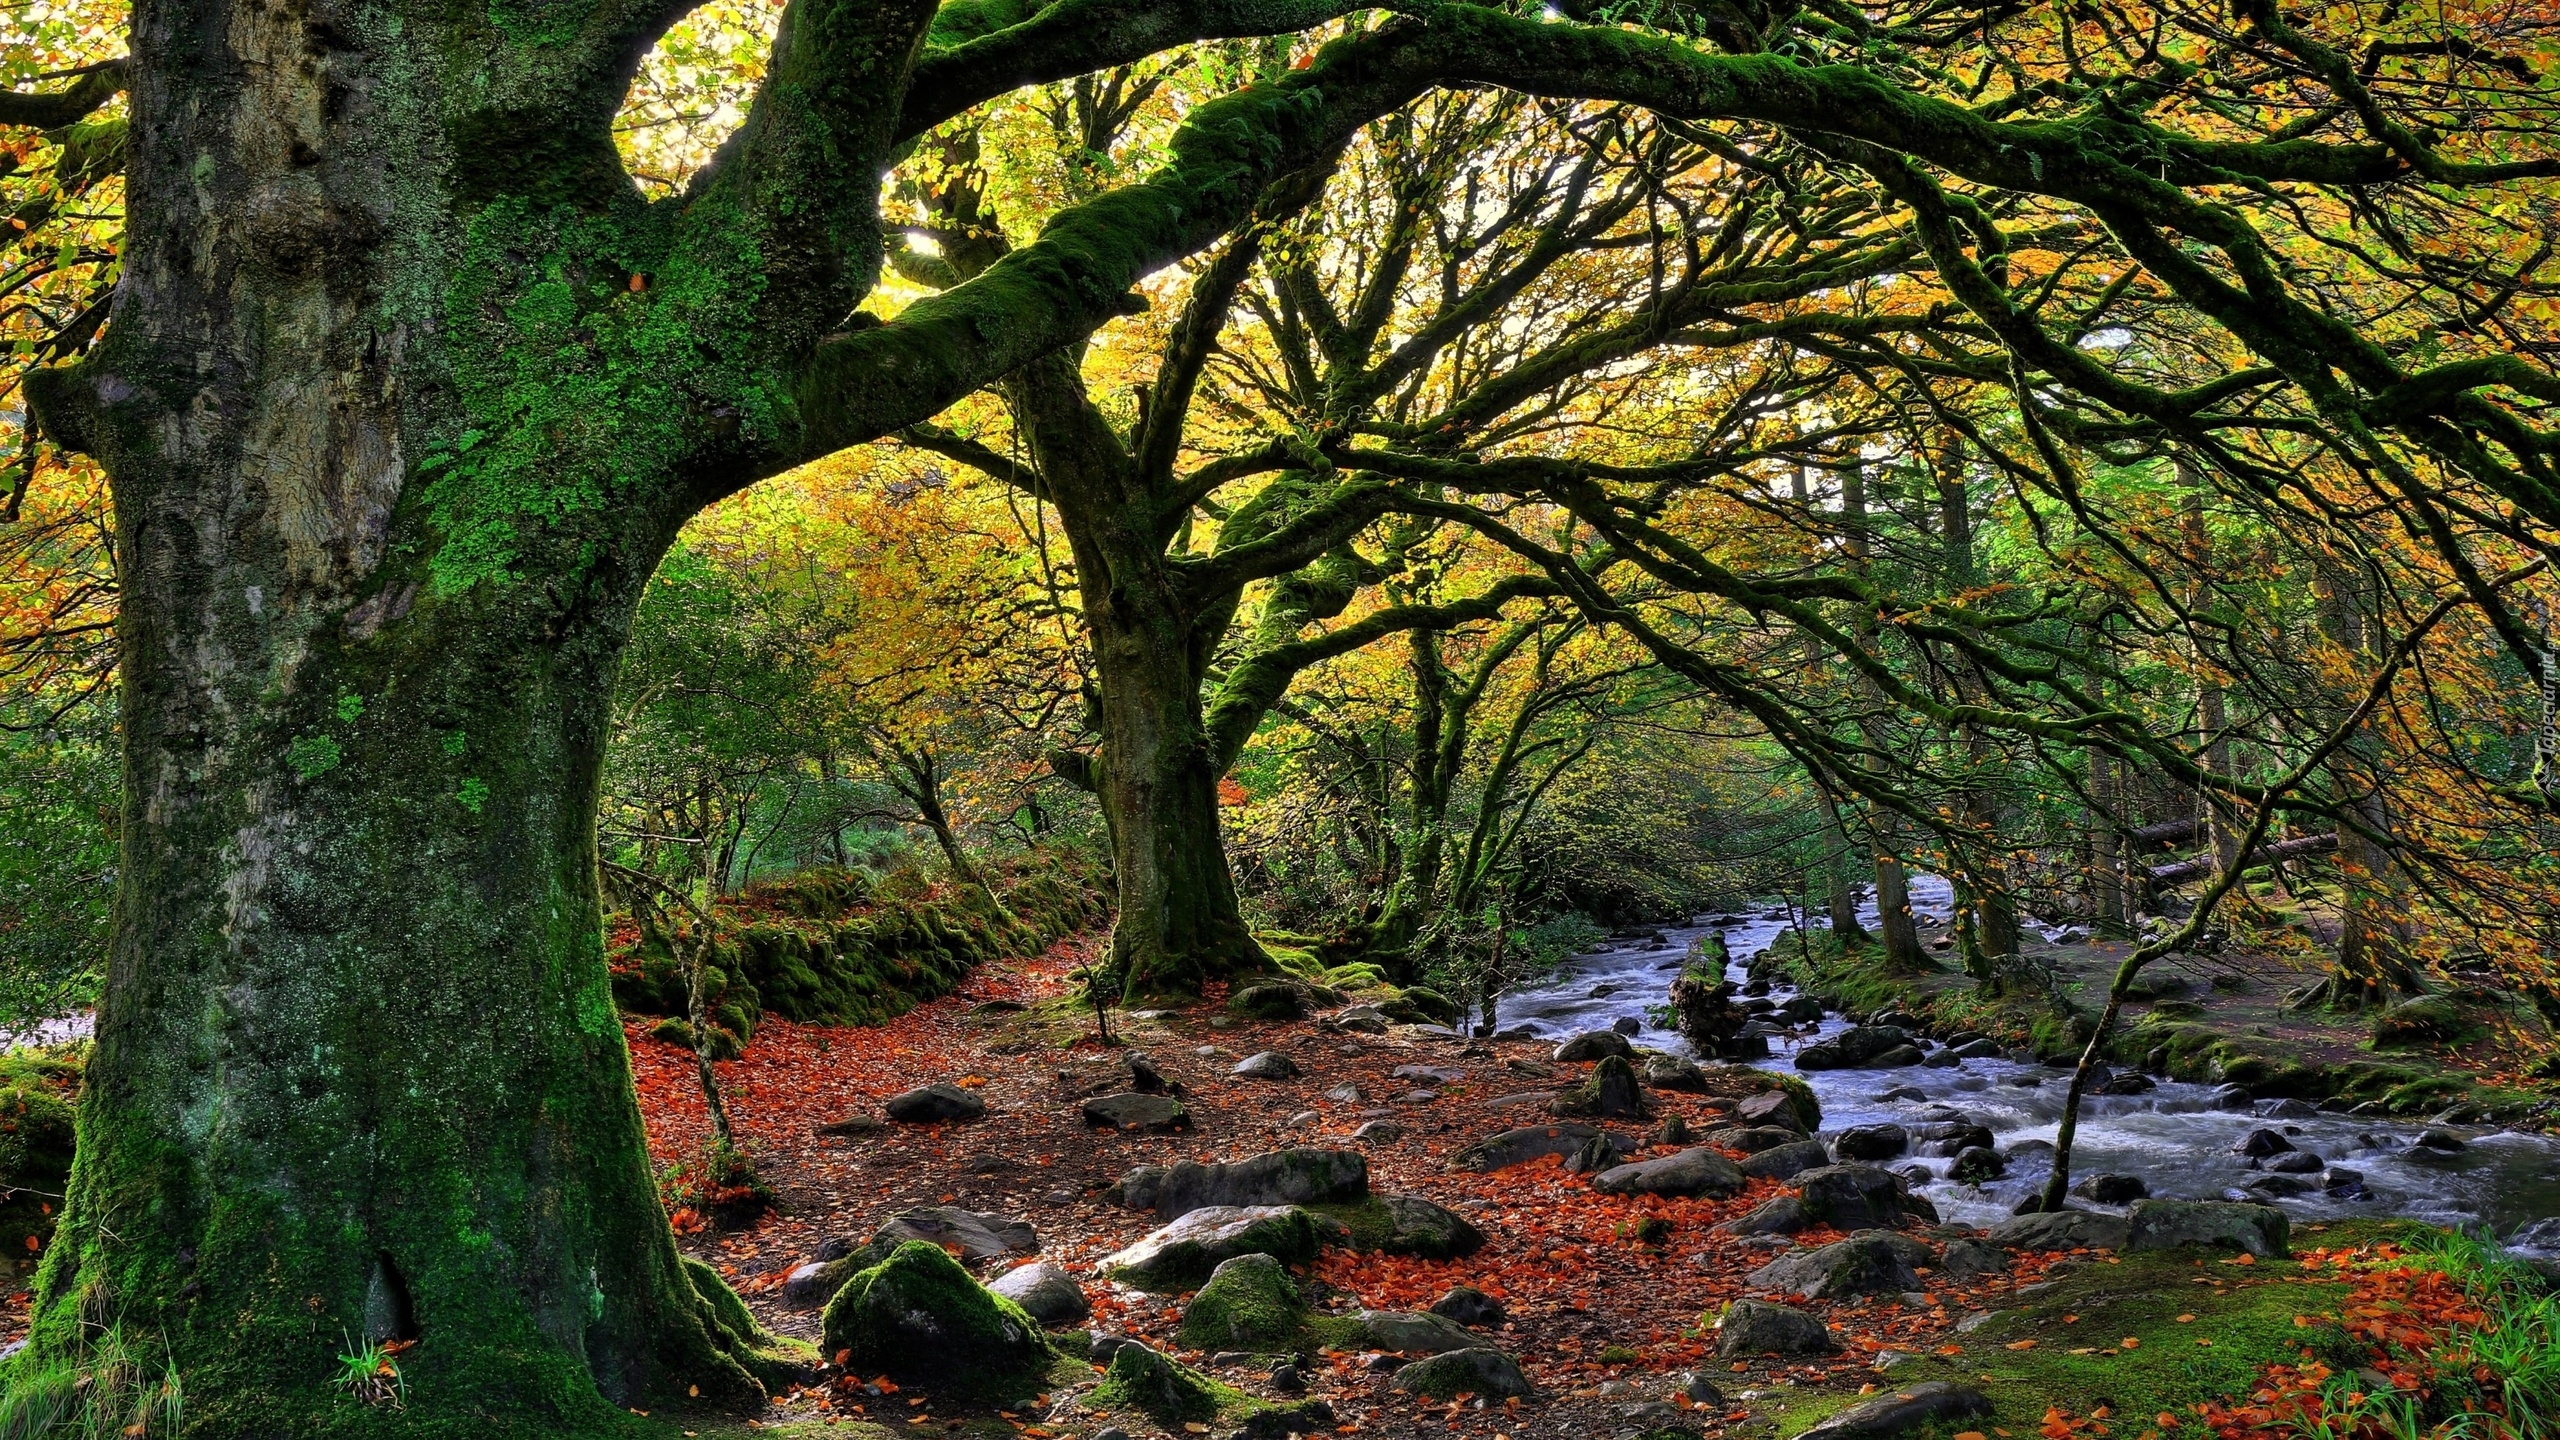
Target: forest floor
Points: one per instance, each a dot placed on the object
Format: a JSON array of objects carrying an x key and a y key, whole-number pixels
[{"x": 1608, "y": 1327}]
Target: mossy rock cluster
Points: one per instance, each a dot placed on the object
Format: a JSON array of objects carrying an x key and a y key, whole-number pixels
[
  {"x": 922, "y": 1320},
  {"x": 37, "y": 1088},
  {"x": 1164, "y": 1390},
  {"x": 839, "y": 948}
]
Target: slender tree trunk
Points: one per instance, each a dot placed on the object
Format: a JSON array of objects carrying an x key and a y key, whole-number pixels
[
  {"x": 2373, "y": 964},
  {"x": 2106, "y": 869},
  {"x": 1894, "y": 922},
  {"x": 1840, "y": 889}
]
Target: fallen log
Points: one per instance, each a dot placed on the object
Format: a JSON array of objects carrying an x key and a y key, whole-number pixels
[{"x": 2180, "y": 872}]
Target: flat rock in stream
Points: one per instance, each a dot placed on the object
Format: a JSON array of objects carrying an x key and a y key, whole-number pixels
[{"x": 1278, "y": 1177}]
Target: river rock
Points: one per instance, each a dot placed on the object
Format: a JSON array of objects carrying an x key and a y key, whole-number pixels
[
  {"x": 2442, "y": 1142},
  {"x": 1267, "y": 1065},
  {"x": 2340, "y": 1181},
  {"x": 1612, "y": 1093},
  {"x": 1132, "y": 1110},
  {"x": 1775, "y": 1107},
  {"x": 2260, "y": 1230},
  {"x": 2111, "y": 1189},
  {"x": 1470, "y": 1306},
  {"x": 1530, "y": 1142},
  {"x": 2231, "y": 1097},
  {"x": 1593, "y": 1045},
  {"x": 919, "y": 1318},
  {"x": 2061, "y": 1230},
  {"x": 1182, "y": 1254},
  {"x": 2262, "y": 1142},
  {"x": 1045, "y": 1292},
  {"x": 1695, "y": 1171},
  {"x": 1907, "y": 1408},
  {"x": 1896, "y": 1058},
  {"x": 1777, "y": 1215},
  {"x": 1482, "y": 1370},
  {"x": 1786, "y": 1161},
  {"x": 1797, "y": 1010},
  {"x": 1670, "y": 1072},
  {"x": 1859, "y": 1045},
  {"x": 1859, "y": 1265},
  {"x": 933, "y": 1105},
  {"x": 2293, "y": 1162},
  {"x": 1975, "y": 1164},
  {"x": 1856, "y": 1197},
  {"x": 1764, "y": 1327},
  {"x": 1410, "y": 1332},
  {"x": 1871, "y": 1142},
  {"x": 2287, "y": 1108},
  {"x": 1752, "y": 1139},
  {"x": 1950, "y": 1138},
  {"x": 1278, "y": 1177},
  {"x": 1978, "y": 1050},
  {"x": 1431, "y": 1232},
  {"x": 1965, "y": 1259}
]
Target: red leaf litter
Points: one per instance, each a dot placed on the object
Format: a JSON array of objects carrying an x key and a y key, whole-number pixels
[{"x": 1598, "y": 1317}]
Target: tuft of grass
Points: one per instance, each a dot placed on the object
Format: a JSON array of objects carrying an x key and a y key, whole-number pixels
[
  {"x": 113, "y": 1390},
  {"x": 2513, "y": 1359},
  {"x": 369, "y": 1371}
]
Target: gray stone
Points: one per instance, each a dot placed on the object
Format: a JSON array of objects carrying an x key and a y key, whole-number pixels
[
  {"x": 1965, "y": 1259},
  {"x": 2294, "y": 1162},
  {"x": 1469, "y": 1306},
  {"x": 934, "y": 1105},
  {"x": 1978, "y": 1050},
  {"x": 1856, "y": 1046},
  {"x": 2443, "y": 1142},
  {"x": 1249, "y": 1301},
  {"x": 1907, "y": 1408},
  {"x": 1786, "y": 1161},
  {"x": 1975, "y": 1164},
  {"x": 1428, "y": 1074},
  {"x": 1267, "y": 1065},
  {"x": 1770, "y": 1107},
  {"x": 1670, "y": 1072},
  {"x": 974, "y": 1236},
  {"x": 1595, "y": 1045},
  {"x": 1612, "y": 1092},
  {"x": 1871, "y": 1142},
  {"x": 2262, "y": 1142},
  {"x": 1530, "y": 1142},
  {"x": 1752, "y": 1139},
  {"x": 1134, "y": 1111},
  {"x": 1763, "y": 1327},
  {"x": 1045, "y": 1292},
  {"x": 1181, "y": 1255},
  {"x": 1695, "y": 1171},
  {"x": 1777, "y": 1215},
  {"x": 2111, "y": 1189},
  {"x": 2060, "y": 1230},
  {"x": 1431, "y": 1232},
  {"x": 1346, "y": 1093},
  {"x": 1854, "y": 1197},
  {"x": 2231, "y": 1097},
  {"x": 806, "y": 1286},
  {"x": 1859, "y": 1265},
  {"x": 1481, "y": 1370},
  {"x": 1305, "y": 1176},
  {"x": 1952, "y": 1137},
  {"x": 1378, "y": 1132},
  {"x": 1409, "y": 1332},
  {"x": 2259, "y": 1230},
  {"x": 1896, "y": 1058}
]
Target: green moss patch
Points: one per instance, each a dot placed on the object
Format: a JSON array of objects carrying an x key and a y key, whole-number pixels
[
  {"x": 37, "y": 1088},
  {"x": 1164, "y": 1390},
  {"x": 2241, "y": 1318},
  {"x": 924, "y": 1321}
]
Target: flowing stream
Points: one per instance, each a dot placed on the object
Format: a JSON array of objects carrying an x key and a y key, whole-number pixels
[{"x": 2174, "y": 1137}]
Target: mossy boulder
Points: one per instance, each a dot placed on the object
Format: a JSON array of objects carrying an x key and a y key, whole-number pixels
[
  {"x": 37, "y": 1088},
  {"x": 2427, "y": 1020},
  {"x": 1164, "y": 1390},
  {"x": 1250, "y": 1303},
  {"x": 922, "y": 1320},
  {"x": 1612, "y": 1092},
  {"x": 1416, "y": 1005}
]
